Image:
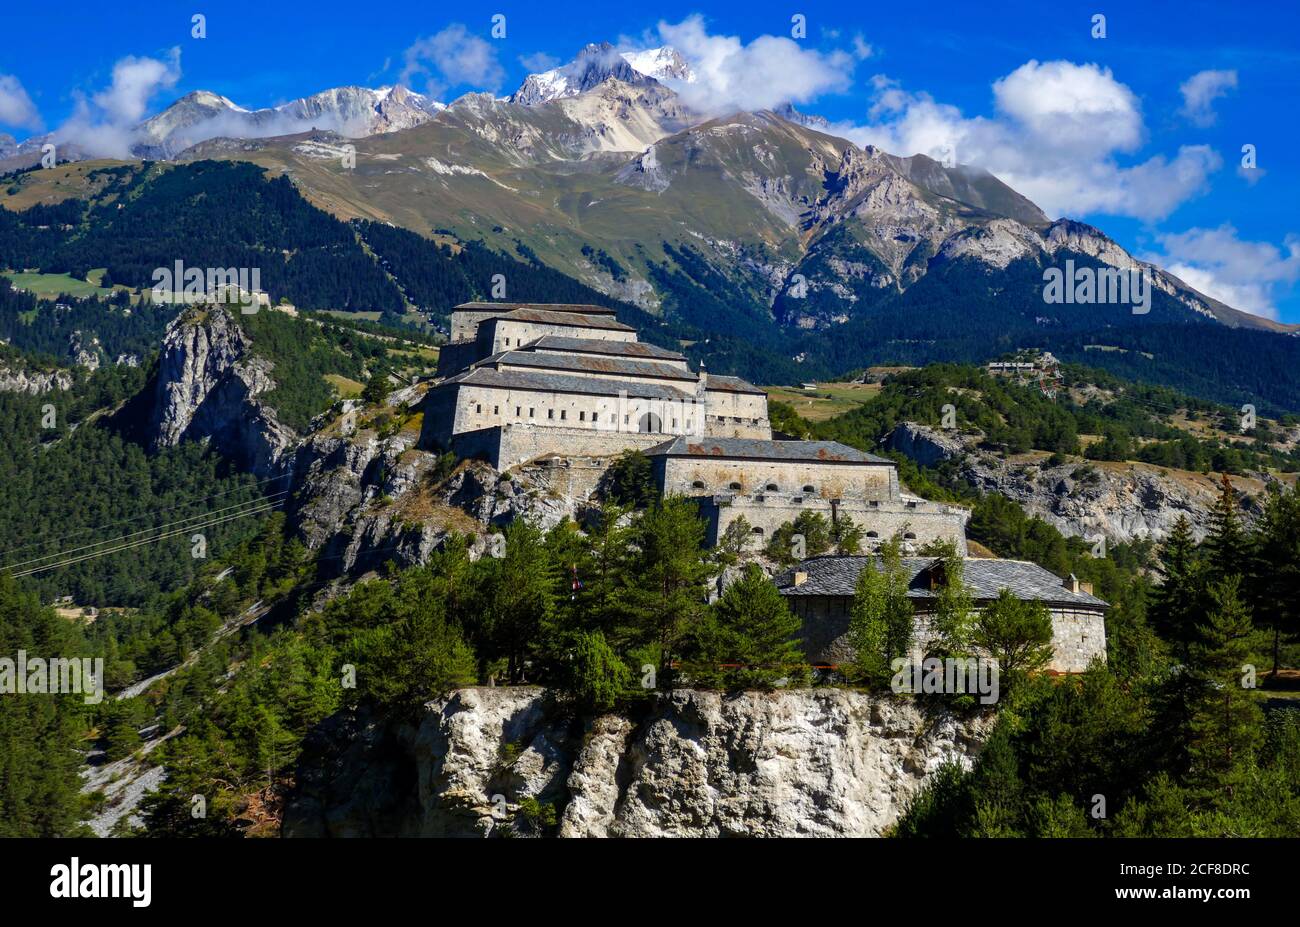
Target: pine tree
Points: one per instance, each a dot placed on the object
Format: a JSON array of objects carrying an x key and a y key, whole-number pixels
[
  {"x": 1225, "y": 720},
  {"x": 1275, "y": 580},
  {"x": 597, "y": 677},
  {"x": 748, "y": 638},
  {"x": 1178, "y": 602},
  {"x": 1227, "y": 547},
  {"x": 953, "y": 621},
  {"x": 522, "y": 596},
  {"x": 1017, "y": 633},
  {"x": 665, "y": 595}
]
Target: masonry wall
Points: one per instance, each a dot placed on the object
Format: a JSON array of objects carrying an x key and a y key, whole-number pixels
[
  {"x": 1078, "y": 635},
  {"x": 737, "y": 415},
  {"x": 767, "y": 512},
  {"x": 456, "y": 356},
  {"x": 476, "y": 407},
  {"x": 693, "y": 476},
  {"x": 511, "y": 445}
]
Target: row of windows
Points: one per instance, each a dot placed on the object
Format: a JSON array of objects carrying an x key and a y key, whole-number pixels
[
  {"x": 647, "y": 423},
  {"x": 770, "y": 487}
]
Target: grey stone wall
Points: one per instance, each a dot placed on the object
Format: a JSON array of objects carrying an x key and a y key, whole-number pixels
[
  {"x": 508, "y": 446},
  {"x": 1078, "y": 636},
  {"x": 926, "y": 522}
]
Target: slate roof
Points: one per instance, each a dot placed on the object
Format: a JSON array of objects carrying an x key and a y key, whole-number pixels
[
  {"x": 571, "y": 318},
  {"x": 732, "y": 385},
  {"x": 606, "y": 365},
  {"x": 562, "y": 383},
  {"x": 758, "y": 449},
  {"x": 838, "y": 576},
  {"x": 584, "y": 308},
  {"x": 596, "y": 346}
]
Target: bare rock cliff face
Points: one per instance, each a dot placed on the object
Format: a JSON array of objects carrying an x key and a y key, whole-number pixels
[
  {"x": 810, "y": 762},
  {"x": 208, "y": 386},
  {"x": 18, "y": 379},
  {"x": 1123, "y": 501}
]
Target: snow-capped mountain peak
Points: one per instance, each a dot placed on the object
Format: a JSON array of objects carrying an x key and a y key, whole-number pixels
[
  {"x": 597, "y": 63},
  {"x": 663, "y": 64}
]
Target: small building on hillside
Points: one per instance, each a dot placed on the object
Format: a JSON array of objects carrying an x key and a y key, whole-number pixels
[{"x": 820, "y": 591}]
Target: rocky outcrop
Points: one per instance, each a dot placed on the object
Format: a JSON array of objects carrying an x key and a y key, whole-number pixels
[
  {"x": 1123, "y": 501},
  {"x": 17, "y": 379},
  {"x": 926, "y": 446},
  {"x": 208, "y": 388},
  {"x": 808, "y": 762}
]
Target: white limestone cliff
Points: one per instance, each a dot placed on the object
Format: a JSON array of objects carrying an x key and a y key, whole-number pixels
[{"x": 806, "y": 762}]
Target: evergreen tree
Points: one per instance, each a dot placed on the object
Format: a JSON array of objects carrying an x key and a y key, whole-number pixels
[
  {"x": 1275, "y": 580},
  {"x": 1227, "y": 548},
  {"x": 747, "y": 640},
  {"x": 521, "y": 597},
  {"x": 665, "y": 596},
  {"x": 953, "y": 621},
  {"x": 1017, "y": 634},
  {"x": 1178, "y": 602},
  {"x": 597, "y": 676},
  {"x": 1225, "y": 719},
  {"x": 847, "y": 535}
]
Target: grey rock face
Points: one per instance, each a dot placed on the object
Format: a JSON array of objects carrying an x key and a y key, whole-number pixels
[
  {"x": 32, "y": 382},
  {"x": 823, "y": 762},
  {"x": 208, "y": 386},
  {"x": 1124, "y": 502}
]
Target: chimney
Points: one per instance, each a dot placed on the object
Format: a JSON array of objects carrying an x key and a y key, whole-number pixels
[
  {"x": 1072, "y": 583},
  {"x": 1086, "y": 587},
  {"x": 800, "y": 577}
]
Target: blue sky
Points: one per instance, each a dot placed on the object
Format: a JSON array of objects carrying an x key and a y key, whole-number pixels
[{"x": 1139, "y": 132}]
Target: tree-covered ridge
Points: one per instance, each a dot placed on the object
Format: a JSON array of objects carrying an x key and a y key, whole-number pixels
[
  {"x": 44, "y": 328},
  {"x": 437, "y": 277},
  {"x": 85, "y": 480},
  {"x": 303, "y": 353},
  {"x": 206, "y": 214},
  {"x": 1134, "y": 421}
]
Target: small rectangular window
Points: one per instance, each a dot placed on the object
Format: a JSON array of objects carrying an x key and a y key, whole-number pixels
[
  {"x": 595, "y": 416},
  {"x": 564, "y": 414},
  {"x": 478, "y": 408},
  {"x": 530, "y": 412},
  {"x": 582, "y": 416},
  {"x": 496, "y": 410},
  {"x": 550, "y": 413},
  {"x": 517, "y": 411}
]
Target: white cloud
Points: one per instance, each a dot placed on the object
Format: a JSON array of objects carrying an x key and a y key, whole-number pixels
[
  {"x": 105, "y": 125},
  {"x": 1060, "y": 104},
  {"x": 16, "y": 107},
  {"x": 1055, "y": 137},
  {"x": 453, "y": 58},
  {"x": 1201, "y": 90},
  {"x": 1246, "y": 275},
  {"x": 767, "y": 72},
  {"x": 538, "y": 62}
]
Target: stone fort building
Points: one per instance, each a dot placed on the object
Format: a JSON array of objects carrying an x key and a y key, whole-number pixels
[{"x": 524, "y": 381}]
